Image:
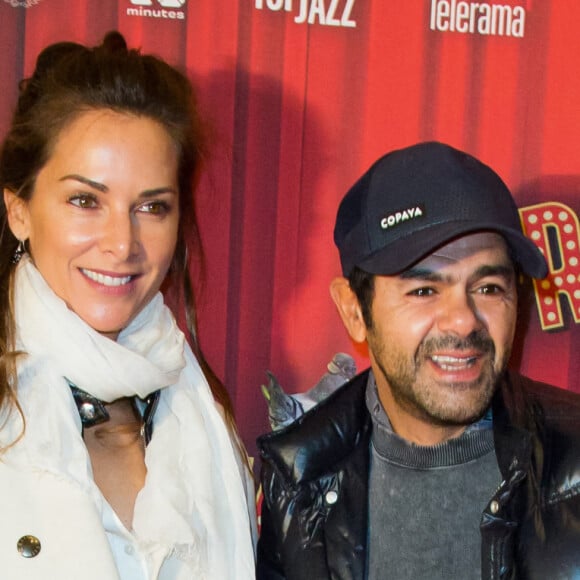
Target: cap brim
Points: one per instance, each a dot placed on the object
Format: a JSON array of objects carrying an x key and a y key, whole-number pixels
[{"x": 406, "y": 251}]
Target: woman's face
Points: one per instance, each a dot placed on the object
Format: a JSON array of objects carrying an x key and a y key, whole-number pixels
[{"x": 103, "y": 217}]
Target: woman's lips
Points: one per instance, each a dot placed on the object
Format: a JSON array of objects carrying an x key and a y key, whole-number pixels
[{"x": 108, "y": 280}]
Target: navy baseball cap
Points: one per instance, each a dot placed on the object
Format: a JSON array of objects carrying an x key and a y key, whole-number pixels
[{"x": 414, "y": 200}]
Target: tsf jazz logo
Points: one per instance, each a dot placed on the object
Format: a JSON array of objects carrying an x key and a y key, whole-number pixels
[{"x": 325, "y": 12}]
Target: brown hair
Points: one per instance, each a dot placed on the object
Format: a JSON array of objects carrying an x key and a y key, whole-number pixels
[
  {"x": 70, "y": 79},
  {"x": 363, "y": 285}
]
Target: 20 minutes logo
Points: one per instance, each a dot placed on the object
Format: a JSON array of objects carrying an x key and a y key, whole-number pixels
[
  {"x": 163, "y": 3},
  {"x": 166, "y": 9},
  {"x": 22, "y": 3}
]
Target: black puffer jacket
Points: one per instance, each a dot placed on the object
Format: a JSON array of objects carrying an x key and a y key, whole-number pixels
[{"x": 315, "y": 482}]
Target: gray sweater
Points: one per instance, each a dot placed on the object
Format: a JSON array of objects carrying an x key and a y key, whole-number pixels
[{"x": 426, "y": 502}]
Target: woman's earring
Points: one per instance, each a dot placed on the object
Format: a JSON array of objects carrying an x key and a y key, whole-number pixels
[{"x": 18, "y": 252}]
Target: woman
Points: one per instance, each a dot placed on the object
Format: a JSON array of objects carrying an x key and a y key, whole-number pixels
[{"x": 116, "y": 461}]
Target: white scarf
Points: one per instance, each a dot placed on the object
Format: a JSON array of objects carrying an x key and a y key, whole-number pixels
[{"x": 193, "y": 501}]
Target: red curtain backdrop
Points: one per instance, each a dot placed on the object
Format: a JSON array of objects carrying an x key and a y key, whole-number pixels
[{"x": 304, "y": 96}]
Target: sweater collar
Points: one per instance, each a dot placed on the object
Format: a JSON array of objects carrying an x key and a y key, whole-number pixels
[{"x": 475, "y": 442}]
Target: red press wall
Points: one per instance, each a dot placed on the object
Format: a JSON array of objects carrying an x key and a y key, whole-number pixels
[{"x": 305, "y": 95}]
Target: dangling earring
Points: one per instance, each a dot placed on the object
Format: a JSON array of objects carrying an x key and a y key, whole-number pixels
[{"x": 18, "y": 252}]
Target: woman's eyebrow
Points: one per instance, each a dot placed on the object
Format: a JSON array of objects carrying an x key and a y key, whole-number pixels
[
  {"x": 104, "y": 189},
  {"x": 157, "y": 191},
  {"x": 86, "y": 181}
]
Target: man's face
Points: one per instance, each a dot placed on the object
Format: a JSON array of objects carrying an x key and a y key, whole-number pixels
[{"x": 441, "y": 335}]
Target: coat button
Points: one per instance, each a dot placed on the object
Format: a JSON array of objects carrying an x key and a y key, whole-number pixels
[
  {"x": 331, "y": 497},
  {"x": 494, "y": 507},
  {"x": 28, "y": 546}
]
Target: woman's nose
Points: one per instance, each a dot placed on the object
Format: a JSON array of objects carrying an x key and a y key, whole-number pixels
[{"x": 120, "y": 236}]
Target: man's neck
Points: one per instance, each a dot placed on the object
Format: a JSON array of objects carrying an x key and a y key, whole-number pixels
[
  {"x": 413, "y": 426},
  {"x": 417, "y": 429}
]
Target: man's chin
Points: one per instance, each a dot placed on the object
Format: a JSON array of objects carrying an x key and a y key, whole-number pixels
[{"x": 464, "y": 410}]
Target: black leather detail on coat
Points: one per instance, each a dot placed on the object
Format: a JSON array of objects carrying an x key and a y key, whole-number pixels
[{"x": 309, "y": 533}]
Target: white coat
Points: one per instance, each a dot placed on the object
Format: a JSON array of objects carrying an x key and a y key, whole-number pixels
[{"x": 73, "y": 543}]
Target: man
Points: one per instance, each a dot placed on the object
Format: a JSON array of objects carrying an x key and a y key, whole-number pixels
[{"x": 438, "y": 462}]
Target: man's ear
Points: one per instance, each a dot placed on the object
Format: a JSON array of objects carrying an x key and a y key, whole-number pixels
[
  {"x": 349, "y": 309},
  {"x": 17, "y": 214}
]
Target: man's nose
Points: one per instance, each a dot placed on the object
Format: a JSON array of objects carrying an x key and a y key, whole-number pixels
[{"x": 458, "y": 315}]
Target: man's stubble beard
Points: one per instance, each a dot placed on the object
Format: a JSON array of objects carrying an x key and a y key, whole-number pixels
[{"x": 430, "y": 400}]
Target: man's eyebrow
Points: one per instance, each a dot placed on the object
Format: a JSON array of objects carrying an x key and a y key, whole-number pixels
[
  {"x": 94, "y": 184},
  {"x": 428, "y": 275},
  {"x": 502, "y": 270},
  {"x": 422, "y": 274},
  {"x": 104, "y": 189}
]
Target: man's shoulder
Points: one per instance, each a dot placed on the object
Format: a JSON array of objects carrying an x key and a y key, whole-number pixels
[
  {"x": 555, "y": 404},
  {"x": 552, "y": 415},
  {"x": 323, "y": 435}
]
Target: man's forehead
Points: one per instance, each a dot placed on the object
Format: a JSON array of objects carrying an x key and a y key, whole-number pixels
[{"x": 489, "y": 244}]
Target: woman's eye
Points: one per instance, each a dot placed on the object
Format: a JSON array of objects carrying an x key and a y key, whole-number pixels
[
  {"x": 155, "y": 207},
  {"x": 83, "y": 200}
]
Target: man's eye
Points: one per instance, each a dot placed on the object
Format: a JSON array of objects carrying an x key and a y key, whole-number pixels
[
  {"x": 422, "y": 292},
  {"x": 490, "y": 289},
  {"x": 83, "y": 200}
]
